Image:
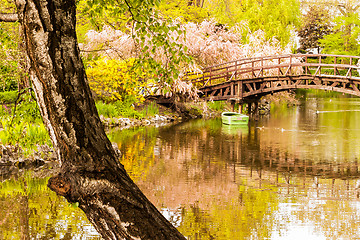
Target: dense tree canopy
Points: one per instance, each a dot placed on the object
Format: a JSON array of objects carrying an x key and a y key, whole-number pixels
[
  {"x": 344, "y": 17},
  {"x": 277, "y": 18},
  {"x": 184, "y": 10},
  {"x": 315, "y": 24},
  {"x": 346, "y": 32}
]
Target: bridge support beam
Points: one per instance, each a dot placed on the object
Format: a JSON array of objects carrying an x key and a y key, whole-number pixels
[
  {"x": 233, "y": 101},
  {"x": 253, "y": 107}
]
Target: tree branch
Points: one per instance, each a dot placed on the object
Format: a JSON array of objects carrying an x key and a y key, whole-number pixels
[{"x": 8, "y": 17}]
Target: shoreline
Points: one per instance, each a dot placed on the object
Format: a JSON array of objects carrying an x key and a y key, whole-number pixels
[{"x": 43, "y": 161}]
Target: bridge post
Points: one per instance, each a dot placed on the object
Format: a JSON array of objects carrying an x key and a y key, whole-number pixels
[
  {"x": 233, "y": 101},
  {"x": 249, "y": 107},
  {"x": 240, "y": 89},
  {"x": 253, "y": 107},
  {"x": 240, "y": 106},
  {"x": 256, "y": 110}
]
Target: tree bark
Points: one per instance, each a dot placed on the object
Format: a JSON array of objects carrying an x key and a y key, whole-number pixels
[
  {"x": 91, "y": 174},
  {"x": 8, "y": 17}
]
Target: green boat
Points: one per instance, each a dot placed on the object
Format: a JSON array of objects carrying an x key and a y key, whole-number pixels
[{"x": 230, "y": 118}]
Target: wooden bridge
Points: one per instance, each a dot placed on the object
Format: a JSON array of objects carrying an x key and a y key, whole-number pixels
[{"x": 247, "y": 80}]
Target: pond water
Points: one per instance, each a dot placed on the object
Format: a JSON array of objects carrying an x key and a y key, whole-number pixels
[{"x": 291, "y": 175}]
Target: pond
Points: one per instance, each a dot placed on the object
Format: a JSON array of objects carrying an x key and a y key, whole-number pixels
[{"x": 291, "y": 175}]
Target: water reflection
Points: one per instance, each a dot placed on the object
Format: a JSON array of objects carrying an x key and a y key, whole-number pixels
[
  {"x": 29, "y": 210},
  {"x": 292, "y": 175}
]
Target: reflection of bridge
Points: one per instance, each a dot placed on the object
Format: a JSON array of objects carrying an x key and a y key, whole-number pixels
[
  {"x": 250, "y": 152},
  {"x": 246, "y": 80},
  {"x": 246, "y": 148}
]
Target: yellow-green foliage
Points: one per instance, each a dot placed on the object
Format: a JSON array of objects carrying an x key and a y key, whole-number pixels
[{"x": 115, "y": 80}]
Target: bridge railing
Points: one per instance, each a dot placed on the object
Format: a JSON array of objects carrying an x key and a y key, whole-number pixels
[{"x": 339, "y": 66}]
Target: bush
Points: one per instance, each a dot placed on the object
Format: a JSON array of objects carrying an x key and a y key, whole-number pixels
[
  {"x": 27, "y": 109},
  {"x": 115, "y": 80},
  {"x": 8, "y": 97},
  {"x": 126, "y": 109},
  {"x": 22, "y": 125}
]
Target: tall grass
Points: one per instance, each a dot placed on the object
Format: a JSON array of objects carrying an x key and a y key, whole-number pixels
[
  {"x": 27, "y": 135},
  {"x": 107, "y": 109},
  {"x": 126, "y": 109},
  {"x": 150, "y": 110}
]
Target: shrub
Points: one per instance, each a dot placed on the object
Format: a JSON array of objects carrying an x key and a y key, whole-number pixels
[
  {"x": 126, "y": 109},
  {"x": 8, "y": 97},
  {"x": 27, "y": 109},
  {"x": 115, "y": 80}
]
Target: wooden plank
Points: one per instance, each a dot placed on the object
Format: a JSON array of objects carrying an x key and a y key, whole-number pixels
[
  {"x": 254, "y": 85},
  {"x": 213, "y": 93},
  {"x": 317, "y": 70},
  {"x": 348, "y": 74},
  {"x": 354, "y": 87},
  {"x": 334, "y": 84},
  {"x": 249, "y": 87},
  {"x": 261, "y": 72},
  {"x": 227, "y": 90}
]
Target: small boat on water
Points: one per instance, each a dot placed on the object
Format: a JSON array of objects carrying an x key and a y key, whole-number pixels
[{"x": 234, "y": 118}]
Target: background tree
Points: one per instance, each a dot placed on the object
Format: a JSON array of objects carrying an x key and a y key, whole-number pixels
[
  {"x": 277, "y": 18},
  {"x": 184, "y": 10},
  {"x": 315, "y": 24},
  {"x": 10, "y": 57},
  {"x": 345, "y": 34},
  {"x": 344, "y": 39}
]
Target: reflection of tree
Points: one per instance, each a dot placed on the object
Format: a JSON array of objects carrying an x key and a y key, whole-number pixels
[
  {"x": 137, "y": 148},
  {"x": 24, "y": 216},
  {"x": 331, "y": 207},
  {"x": 229, "y": 183},
  {"x": 258, "y": 149},
  {"x": 29, "y": 210},
  {"x": 240, "y": 217},
  {"x": 187, "y": 176}
]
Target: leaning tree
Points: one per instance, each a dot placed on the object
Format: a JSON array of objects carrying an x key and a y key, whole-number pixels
[{"x": 91, "y": 174}]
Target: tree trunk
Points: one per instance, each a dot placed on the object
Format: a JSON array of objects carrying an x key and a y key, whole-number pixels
[{"x": 91, "y": 174}]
